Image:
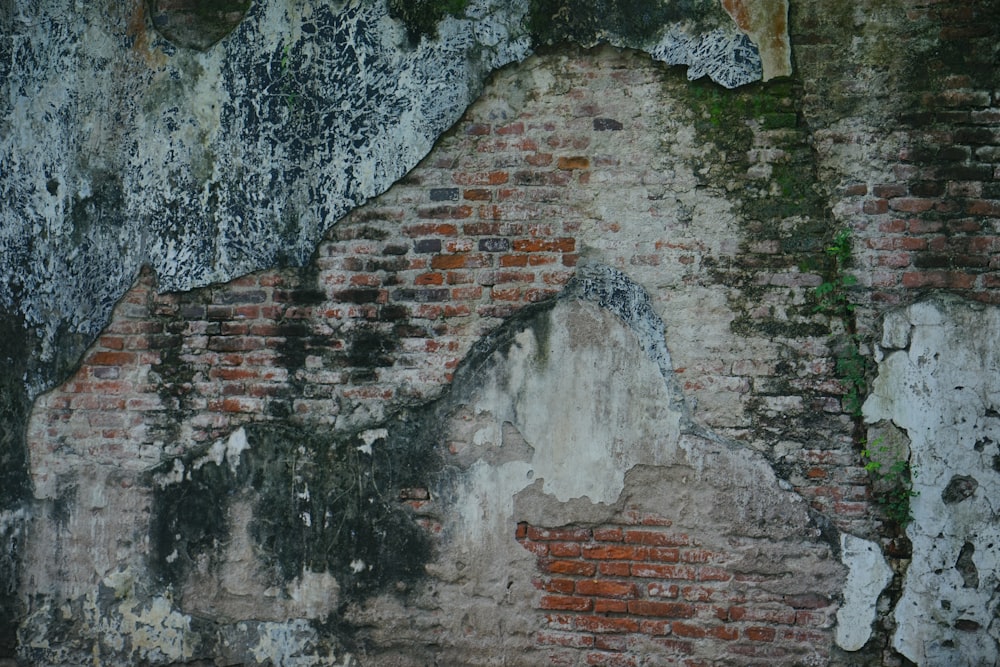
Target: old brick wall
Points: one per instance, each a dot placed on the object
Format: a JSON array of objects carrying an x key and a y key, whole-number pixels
[
  {"x": 718, "y": 203},
  {"x": 576, "y": 157}
]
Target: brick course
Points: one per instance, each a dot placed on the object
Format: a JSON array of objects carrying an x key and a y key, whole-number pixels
[{"x": 702, "y": 610}]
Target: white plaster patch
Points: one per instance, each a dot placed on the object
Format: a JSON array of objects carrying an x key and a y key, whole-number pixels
[
  {"x": 868, "y": 575},
  {"x": 943, "y": 389},
  {"x": 370, "y": 437}
]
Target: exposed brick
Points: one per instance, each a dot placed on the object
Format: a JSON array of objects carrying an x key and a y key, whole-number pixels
[
  {"x": 573, "y": 163},
  {"x": 570, "y": 639},
  {"x": 565, "y": 603},
  {"x": 558, "y": 534},
  {"x": 661, "y": 609},
  {"x": 655, "y": 538},
  {"x": 607, "y": 589},
  {"x": 608, "y": 534},
  {"x": 606, "y": 624},
  {"x": 759, "y": 634},
  {"x": 580, "y": 568},
  {"x": 608, "y": 552}
]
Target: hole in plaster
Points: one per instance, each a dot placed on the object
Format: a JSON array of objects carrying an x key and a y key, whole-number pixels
[
  {"x": 959, "y": 488},
  {"x": 966, "y": 567}
]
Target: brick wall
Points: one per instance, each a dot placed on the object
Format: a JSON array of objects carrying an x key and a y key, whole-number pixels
[
  {"x": 609, "y": 593},
  {"x": 720, "y": 205},
  {"x": 605, "y": 167}
]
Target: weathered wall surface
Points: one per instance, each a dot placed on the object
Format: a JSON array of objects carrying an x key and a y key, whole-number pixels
[
  {"x": 938, "y": 386},
  {"x": 564, "y": 394}
]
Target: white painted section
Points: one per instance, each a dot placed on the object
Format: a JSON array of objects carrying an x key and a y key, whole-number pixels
[
  {"x": 940, "y": 382},
  {"x": 868, "y": 575}
]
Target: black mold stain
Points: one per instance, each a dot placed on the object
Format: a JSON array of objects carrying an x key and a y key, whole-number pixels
[
  {"x": 422, "y": 16},
  {"x": 554, "y": 21},
  {"x": 15, "y": 485},
  {"x": 323, "y": 502}
]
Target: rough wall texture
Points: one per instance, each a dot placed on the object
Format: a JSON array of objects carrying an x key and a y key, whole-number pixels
[{"x": 564, "y": 394}]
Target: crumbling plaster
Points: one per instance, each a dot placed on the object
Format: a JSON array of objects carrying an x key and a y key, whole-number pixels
[
  {"x": 937, "y": 381},
  {"x": 121, "y": 149}
]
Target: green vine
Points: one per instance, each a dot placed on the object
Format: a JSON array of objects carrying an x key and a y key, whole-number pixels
[
  {"x": 833, "y": 296},
  {"x": 893, "y": 481},
  {"x": 892, "y": 476}
]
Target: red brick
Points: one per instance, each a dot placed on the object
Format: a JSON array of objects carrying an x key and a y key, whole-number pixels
[
  {"x": 564, "y": 586},
  {"x": 539, "y": 159},
  {"x": 545, "y": 245},
  {"x": 987, "y": 207},
  {"x": 573, "y": 163},
  {"x": 615, "y": 552},
  {"x": 608, "y": 534},
  {"x": 759, "y": 634},
  {"x": 911, "y": 204},
  {"x": 614, "y": 568},
  {"x": 648, "y": 627},
  {"x": 875, "y": 207},
  {"x": 725, "y": 633},
  {"x": 514, "y": 260},
  {"x": 664, "y": 554},
  {"x": 610, "y": 606},
  {"x": 662, "y": 609},
  {"x": 697, "y": 593},
  {"x": 696, "y": 556},
  {"x": 684, "y": 572},
  {"x": 429, "y": 278},
  {"x": 580, "y": 568},
  {"x": 607, "y": 589},
  {"x": 662, "y": 590},
  {"x": 571, "y": 639},
  {"x": 480, "y": 178},
  {"x": 780, "y": 615},
  {"x": 713, "y": 574},
  {"x": 477, "y": 194},
  {"x": 687, "y": 630},
  {"x": 606, "y": 625},
  {"x": 611, "y": 642},
  {"x": 537, "y": 548},
  {"x": 564, "y": 549},
  {"x": 558, "y": 534},
  {"x": 510, "y": 128},
  {"x": 430, "y": 229},
  {"x": 889, "y": 190},
  {"x": 934, "y": 279},
  {"x": 111, "y": 359},
  {"x": 565, "y": 603},
  {"x": 656, "y": 538}
]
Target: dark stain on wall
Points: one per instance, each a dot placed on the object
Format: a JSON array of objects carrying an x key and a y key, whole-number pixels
[
  {"x": 15, "y": 484},
  {"x": 555, "y": 21},
  {"x": 322, "y": 501}
]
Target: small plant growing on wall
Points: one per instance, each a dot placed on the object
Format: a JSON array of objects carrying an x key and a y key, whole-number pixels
[
  {"x": 834, "y": 301},
  {"x": 892, "y": 479}
]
